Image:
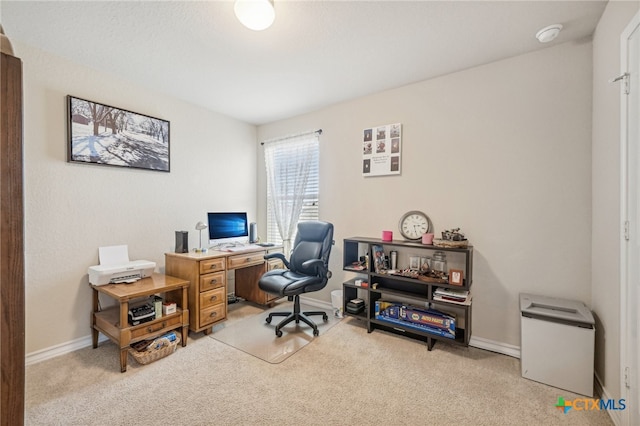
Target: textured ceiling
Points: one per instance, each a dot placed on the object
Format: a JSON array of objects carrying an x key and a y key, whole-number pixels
[{"x": 317, "y": 53}]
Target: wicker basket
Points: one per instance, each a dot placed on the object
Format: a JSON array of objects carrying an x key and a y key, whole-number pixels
[
  {"x": 439, "y": 242},
  {"x": 154, "y": 354}
]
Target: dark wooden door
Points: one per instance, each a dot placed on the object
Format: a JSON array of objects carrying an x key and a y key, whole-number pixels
[{"x": 12, "y": 342}]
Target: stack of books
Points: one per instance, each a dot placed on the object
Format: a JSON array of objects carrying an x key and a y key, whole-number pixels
[{"x": 449, "y": 295}]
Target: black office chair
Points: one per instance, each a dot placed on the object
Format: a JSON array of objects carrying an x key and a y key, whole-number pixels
[{"x": 308, "y": 270}]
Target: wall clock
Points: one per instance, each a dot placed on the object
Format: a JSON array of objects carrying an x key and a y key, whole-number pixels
[{"x": 413, "y": 224}]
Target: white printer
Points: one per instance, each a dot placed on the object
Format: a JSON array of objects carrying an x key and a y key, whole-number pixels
[
  {"x": 125, "y": 273},
  {"x": 115, "y": 267}
]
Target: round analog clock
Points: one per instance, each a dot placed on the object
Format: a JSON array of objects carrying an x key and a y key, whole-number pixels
[{"x": 413, "y": 224}]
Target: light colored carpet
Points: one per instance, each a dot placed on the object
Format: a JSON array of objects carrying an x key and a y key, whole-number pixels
[
  {"x": 255, "y": 337},
  {"x": 345, "y": 377}
]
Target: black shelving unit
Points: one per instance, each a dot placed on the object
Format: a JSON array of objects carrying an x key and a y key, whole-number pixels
[{"x": 407, "y": 290}]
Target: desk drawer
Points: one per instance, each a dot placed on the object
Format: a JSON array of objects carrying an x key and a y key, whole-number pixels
[
  {"x": 249, "y": 259},
  {"x": 213, "y": 314},
  {"x": 148, "y": 329},
  {"x": 274, "y": 264},
  {"x": 212, "y": 297},
  {"x": 212, "y": 265},
  {"x": 211, "y": 281}
]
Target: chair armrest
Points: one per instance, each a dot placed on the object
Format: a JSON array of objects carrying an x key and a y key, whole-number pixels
[{"x": 277, "y": 256}]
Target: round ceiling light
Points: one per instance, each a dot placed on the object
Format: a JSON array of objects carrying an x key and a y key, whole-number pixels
[
  {"x": 549, "y": 33},
  {"x": 256, "y": 15}
]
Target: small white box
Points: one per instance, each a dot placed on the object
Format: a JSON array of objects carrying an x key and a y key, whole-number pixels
[{"x": 168, "y": 308}]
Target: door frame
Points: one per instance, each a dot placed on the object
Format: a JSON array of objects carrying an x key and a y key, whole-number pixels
[{"x": 627, "y": 314}]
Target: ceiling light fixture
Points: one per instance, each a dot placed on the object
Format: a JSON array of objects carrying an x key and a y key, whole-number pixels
[
  {"x": 549, "y": 33},
  {"x": 256, "y": 15}
]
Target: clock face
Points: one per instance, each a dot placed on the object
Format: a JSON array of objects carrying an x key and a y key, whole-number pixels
[{"x": 413, "y": 224}]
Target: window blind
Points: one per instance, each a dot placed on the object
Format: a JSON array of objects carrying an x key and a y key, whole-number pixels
[{"x": 286, "y": 160}]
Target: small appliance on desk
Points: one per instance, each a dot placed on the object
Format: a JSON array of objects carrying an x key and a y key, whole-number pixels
[
  {"x": 142, "y": 314},
  {"x": 115, "y": 267}
]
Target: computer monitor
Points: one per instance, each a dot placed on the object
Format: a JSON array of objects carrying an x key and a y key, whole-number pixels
[{"x": 227, "y": 228}]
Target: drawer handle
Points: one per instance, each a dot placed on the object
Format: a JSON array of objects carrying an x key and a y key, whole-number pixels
[
  {"x": 248, "y": 259},
  {"x": 213, "y": 314},
  {"x": 151, "y": 330},
  {"x": 212, "y": 267},
  {"x": 213, "y": 281},
  {"x": 214, "y": 298}
]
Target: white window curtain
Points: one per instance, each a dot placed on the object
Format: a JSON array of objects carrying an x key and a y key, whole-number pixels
[{"x": 292, "y": 184}]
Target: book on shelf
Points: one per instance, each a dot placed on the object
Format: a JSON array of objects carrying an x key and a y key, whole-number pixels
[
  {"x": 451, "y": 293},
  {"x": 356, "y": 266}
]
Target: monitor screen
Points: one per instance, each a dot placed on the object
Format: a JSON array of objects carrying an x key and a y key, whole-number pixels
[{"x": 228, "y": 225}]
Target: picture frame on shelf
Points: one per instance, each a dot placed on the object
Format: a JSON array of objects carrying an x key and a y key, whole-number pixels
[
  {"x": 414, "y": 262},
  {"x": 378, "y": 259},
  {"x": 456, "y": 277}
]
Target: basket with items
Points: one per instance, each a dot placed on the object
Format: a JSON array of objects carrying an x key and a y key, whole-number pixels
[
  {"x": 451, "y": 238},
  {"x": 147, "y": 351}
]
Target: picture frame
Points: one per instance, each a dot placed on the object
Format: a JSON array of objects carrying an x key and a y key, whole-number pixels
[
  {"x": 414, "y": 262},
  {"x": 456, "y": 277},
  {"x": 378, "y": 259},
  {"x": 106, "y": 135},
  {"x": 382, "y": 150}
]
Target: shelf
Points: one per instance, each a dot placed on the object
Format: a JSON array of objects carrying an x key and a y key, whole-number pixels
[
  {"x": 402, "y": 243},
  {"x": 360, "y": 316},
  {"x": 107, "y": 321},
  {"x": 411, "y": 291},
  {"x": 398, "y": 293},
  {"x": 459, "y": 339}
]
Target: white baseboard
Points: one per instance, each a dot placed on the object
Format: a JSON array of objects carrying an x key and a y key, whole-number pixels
[
  {"x": 61, "y": 349},
  {"x": 497, "y": 347},
  {"x": 603, "y": 394}
]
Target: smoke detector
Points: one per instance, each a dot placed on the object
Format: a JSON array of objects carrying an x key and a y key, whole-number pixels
[{"x": 549, "y": 33}]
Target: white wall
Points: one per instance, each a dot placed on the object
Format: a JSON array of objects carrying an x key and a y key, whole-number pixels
[
  {"x": 606, "y": 191},
  {"x": 72, "y": 209},
  {"x": 502, "y": 151}
]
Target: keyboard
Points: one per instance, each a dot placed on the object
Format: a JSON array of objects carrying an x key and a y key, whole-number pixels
[{"x": 242, "y": 248}]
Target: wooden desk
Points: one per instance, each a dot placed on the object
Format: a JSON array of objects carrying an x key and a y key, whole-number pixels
[
  {"x": 207, "y": 273},
  {"x": 113, "y": 322}
]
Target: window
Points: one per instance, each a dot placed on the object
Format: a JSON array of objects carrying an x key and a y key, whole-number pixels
[{"x": 292, "y": 165}]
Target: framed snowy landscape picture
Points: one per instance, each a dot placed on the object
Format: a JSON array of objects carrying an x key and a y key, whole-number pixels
[{"x": 101, "y": 134}]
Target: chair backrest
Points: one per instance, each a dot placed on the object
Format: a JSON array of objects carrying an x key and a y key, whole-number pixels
[{"x": 313, "y": 241}]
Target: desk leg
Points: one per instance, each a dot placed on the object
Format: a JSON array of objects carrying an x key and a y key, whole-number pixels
[
  {"x": 123, "y": 359},
  {"x": 185, "y": 335},
  {"x": 185, "y": 315},
  {"x": 124, "y": 342},
  {"x": 94, "y": 332}
]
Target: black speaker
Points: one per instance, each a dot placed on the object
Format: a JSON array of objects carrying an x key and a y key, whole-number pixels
[
  {"x": 253, "y": 232},
  {"x": 182, "y": 242}
]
